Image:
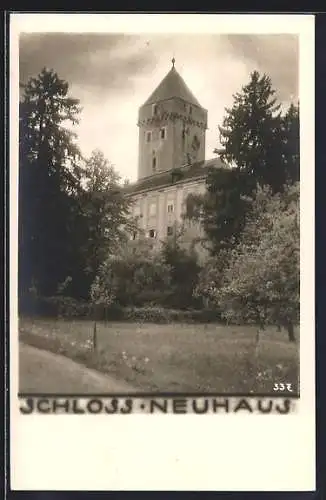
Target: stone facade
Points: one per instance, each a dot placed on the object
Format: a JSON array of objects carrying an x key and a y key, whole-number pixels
[
  {"x": 171, "y": 134},
  {"x": 159, "y": 211},
  {"x": 171, "y": 164},
  {"x": 172, "y": 126}
]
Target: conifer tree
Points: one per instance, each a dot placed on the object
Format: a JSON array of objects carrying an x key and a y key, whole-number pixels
[
  {"x": 259, "y": 145},
  {"x": 48, "y": 183}
]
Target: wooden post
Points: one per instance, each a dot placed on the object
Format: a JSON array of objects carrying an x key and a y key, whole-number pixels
[
  {"x": 257, "y": 341},
  {"x": 106, "y": 314},
  {"x": 95, "y": 336},
  {"x": 94, "y": 330}
]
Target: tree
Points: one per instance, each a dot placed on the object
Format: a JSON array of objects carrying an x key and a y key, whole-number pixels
[
  {"x": 261, "y": 282},
  {"x": 290, "y": 130},
  {"x": 221, "y": 210},
  {"x": 104, "y": 212},
  {"x": 133, "y": 276},
  {"x": 184, "y": 274},
  {"x": 250, "y": 134},
  {"x": 48, "y": 183},
  {"x": 259, "y": 145},
  {"x": 211, "y": 277}
]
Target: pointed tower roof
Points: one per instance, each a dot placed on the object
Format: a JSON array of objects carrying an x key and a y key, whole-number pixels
[{"x": 171, "y": 86}]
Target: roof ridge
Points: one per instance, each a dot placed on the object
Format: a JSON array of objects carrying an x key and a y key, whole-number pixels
[
  {"x": 172, "y": 86},
  {"x": 162, "y": 179}
]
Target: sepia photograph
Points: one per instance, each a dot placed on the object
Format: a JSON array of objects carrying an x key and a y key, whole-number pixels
[
  {"x": 162, "y": 252},
  {"x": 159, "y": 213}
]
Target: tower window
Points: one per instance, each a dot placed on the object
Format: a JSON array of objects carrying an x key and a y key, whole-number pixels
[
  {"x": 170, "y": 230},
  {"x": 154, "y": 163},
  {"x": 148, "y": 136},
  {"x": 152, "y": 233},
  {"x": 170, "y": 208},
  {"x": 163, "y": 133},
  {"x": 195, "y": 143},
  {"x": 155, "y": 109},
  {"x": 190, "y": 110},
  {"x": 152, "y": 209}
]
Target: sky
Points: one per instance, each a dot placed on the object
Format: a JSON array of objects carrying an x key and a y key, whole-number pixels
[{"x": 113, "y": 74}]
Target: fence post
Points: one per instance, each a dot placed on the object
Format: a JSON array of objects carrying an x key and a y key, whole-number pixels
[{"x": 94, "y": 330}]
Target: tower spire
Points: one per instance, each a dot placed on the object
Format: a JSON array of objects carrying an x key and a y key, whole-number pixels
[{"x": 173, "y": 61}]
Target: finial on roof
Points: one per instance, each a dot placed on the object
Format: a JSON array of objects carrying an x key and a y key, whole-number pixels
[{"x": 173, "y": 61}]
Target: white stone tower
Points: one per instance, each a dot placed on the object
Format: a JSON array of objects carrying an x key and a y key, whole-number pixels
[{"x": 172, "y": 127}]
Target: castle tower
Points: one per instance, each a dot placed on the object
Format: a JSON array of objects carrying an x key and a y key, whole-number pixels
[{"x": 172, "y": 127}]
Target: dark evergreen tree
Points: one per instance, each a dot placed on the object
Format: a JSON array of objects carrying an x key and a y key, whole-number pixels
[
  {"x": 48, "y": 183},
  {"x": 290, "y": 128},
  {"x": 259, "y": 145},
  {"x": 250, "y": 134}
]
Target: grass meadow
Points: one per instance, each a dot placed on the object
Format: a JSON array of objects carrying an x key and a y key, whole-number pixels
[{"x": 174, "y": 357}]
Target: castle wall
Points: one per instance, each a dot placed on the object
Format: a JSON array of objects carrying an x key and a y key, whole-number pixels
[
  {"x": 155, "y": 215},
  {"x": 182, "y": 141}
]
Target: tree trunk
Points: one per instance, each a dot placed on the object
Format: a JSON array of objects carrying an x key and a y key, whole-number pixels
[{"x": 290, "y": 329}]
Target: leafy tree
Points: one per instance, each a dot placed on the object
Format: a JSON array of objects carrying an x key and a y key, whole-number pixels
[
  {"x": 184, "y": 274},
  {"x": 261, "y": 283},
  {"x": 133, "y": 276},
  {"x": 104, "y": 215},
  {"x": 48, "y": 183},
  {"x": 210, "y": 278}
]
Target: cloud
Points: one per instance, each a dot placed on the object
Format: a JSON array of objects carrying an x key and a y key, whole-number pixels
[
  {"x": 113, "y": 75},
  {"x": 275, "y": 55},
  {"x": 94, "y": 62}
]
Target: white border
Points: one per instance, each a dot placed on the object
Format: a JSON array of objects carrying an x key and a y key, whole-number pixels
[{"x": 260, "y": 452}]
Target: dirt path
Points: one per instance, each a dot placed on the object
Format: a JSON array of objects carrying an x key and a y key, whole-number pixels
[{"x": 44, "y": 372}]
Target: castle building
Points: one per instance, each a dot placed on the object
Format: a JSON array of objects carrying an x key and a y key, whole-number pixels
[{"x": 171, "y": 161}]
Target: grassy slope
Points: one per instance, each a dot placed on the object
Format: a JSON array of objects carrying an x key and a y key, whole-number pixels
[{"x": 185, "y": 358}]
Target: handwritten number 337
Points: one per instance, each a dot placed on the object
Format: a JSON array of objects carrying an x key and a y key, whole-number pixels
[{"x": 282, "y": 387}]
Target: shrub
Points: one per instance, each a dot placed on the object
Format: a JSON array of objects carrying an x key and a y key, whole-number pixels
[
  {"x": 184, "y": 270},
  {"x": 67, "y": 307},
  {"x": 59, "y": 306},
  {"x": 131, "y": 278},
  {"x": 147, "y": 314},
  {"x": 155, "y": 314}
]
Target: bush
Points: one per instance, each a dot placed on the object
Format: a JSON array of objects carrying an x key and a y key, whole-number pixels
[
  {"x": 58, "y": 306},
  {"x": 68, "y": 307},
  {"x": 147, "y": 314},
  {"x": 184, "y": 270},
  {"x": 154, "y": 314},
  {"x": 131, "y": 278}
]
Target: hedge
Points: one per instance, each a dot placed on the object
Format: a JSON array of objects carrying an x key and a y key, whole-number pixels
[{"x": 68, "y": 307}]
